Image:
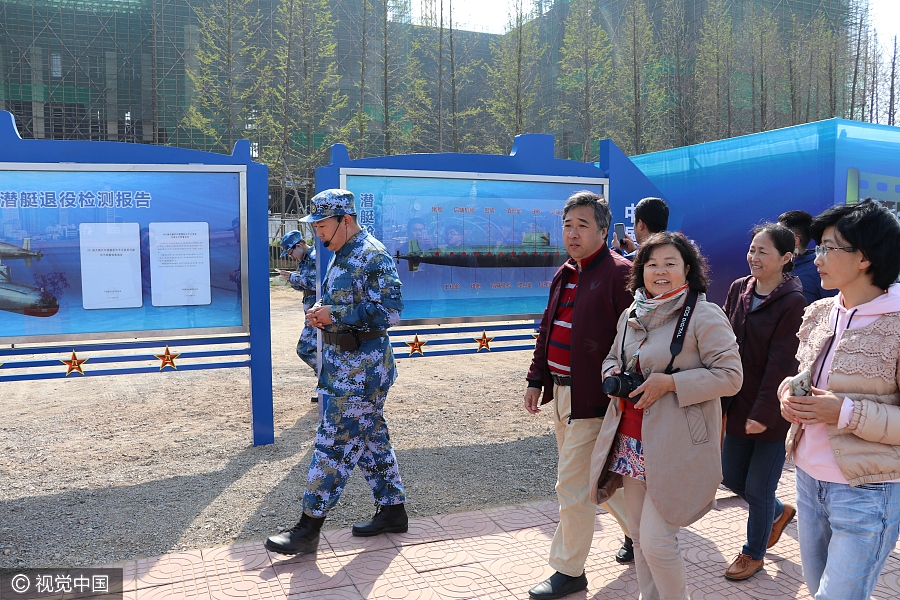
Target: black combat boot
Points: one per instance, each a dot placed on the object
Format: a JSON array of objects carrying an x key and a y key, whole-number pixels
[
  {"x": 626, "y": 552},
  {"x": 387, "y": 519},
  {"x": 302, "y": 538}
]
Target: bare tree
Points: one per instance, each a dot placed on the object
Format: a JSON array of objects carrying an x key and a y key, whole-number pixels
[
  {"x": 514, "y": 77},
  {"x": 585, "y": 78},
  {"x": 714, "y": 73},
  {"x": 639, "y": 82},
  {"x": 892, "y": 95},
  {"x": 762, "y": 51},
  {"x": 678, "y": 50},
  {"x": 229, "y": 75},
  {"x": 861, "y": 18}
]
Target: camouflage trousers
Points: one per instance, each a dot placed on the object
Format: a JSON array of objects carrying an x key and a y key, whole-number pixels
[
  {"x": 306, "y": 346},
  {"x": 352, "y": 432}
]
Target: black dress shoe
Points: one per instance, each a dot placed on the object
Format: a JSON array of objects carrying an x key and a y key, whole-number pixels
[
  {"x": 302, "y": 538},
  {"x": 626, "y": 552},
  {"x": 387, "y": 519},
  {"x": 557, "y": 586}
]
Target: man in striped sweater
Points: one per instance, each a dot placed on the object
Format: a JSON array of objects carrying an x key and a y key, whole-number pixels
[{"x": 587, "y": 295}]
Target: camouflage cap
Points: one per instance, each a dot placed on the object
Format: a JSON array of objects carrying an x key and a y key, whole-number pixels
[
  {"x": 291, "y": 239},
  {"x": 331, "y": 203}
]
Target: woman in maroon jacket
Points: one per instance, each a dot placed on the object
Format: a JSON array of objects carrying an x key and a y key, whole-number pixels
[{"x": 765, "y": 310}]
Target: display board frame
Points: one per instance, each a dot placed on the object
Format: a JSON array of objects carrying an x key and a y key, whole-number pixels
[
  {"x": 572, "y": 183},
  {"x": 239, "y": 169},
  {"x": 250, "y": 346}
]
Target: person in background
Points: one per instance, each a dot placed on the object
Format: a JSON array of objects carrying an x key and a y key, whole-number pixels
[
  {"x": 453, "y": 236},
  {"x": 845, "y": 436},
  {"x": 417, "y": 230},
  {"x": 587, "y": 294},
  {"x": 799, "y": 222},
  {"x": 302, "y": 280},
  {"x": 765, "y": 309},
  {"x": 661, "y": 440},
  {"x": 651, "y": 215},
  {"x": 360, "y": 300}
]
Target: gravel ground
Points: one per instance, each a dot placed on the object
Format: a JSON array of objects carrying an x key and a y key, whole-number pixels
[{"x": 100, "y": 470}]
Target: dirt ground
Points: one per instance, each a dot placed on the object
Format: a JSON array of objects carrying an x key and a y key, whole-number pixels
[{"x": 102, "y": 469}]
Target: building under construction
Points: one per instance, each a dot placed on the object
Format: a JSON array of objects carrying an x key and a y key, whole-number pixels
[{"x": 95, "y": 69}]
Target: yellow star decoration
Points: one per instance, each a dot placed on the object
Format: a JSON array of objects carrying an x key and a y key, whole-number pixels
[
  {"x": 483, "y": 342},
  {"x": 74, "y": 364},
  {"x": 416, "y": 346},
  {"x": 168, "y": 359}
]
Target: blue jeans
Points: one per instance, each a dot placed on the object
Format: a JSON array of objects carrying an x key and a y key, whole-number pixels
[
  {"x": 751, "y": 469},
  {"x": 846, "y": 535}
]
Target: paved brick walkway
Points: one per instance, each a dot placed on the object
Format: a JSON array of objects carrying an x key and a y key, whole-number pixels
[{"x": 495, "y": 554}]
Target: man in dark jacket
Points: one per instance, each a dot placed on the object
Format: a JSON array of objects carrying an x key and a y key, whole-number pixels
[
  {"x": 800, "y": 222},
  {"x": 587, "y": 295}
]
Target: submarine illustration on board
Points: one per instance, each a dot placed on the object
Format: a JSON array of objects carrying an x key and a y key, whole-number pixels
[
  {"x": 534, "y": 251},
  {"x": 8, "y": 251},
  {"x": 25, "y": 299},
  {"x": 19, "y": 297}
]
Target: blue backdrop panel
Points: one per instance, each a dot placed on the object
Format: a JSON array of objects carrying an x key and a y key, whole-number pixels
[
  {"x": 722, "y": 189},
  {"x": 867, "y": 163},
  {"x": 476, "y": 207}
]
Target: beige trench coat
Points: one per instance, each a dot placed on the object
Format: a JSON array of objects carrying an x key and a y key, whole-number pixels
[{"x": 681, "y": 430}]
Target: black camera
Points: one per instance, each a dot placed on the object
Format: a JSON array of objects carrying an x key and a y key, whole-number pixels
[{"x": 623, "y": 384}]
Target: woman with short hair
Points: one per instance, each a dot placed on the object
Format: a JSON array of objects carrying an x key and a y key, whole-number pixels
[{"x": 845, "y": 436}]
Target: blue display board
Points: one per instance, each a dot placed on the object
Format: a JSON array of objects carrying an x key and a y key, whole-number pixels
[
  {"x": 84, "y": 250},
  {"x": 476, "y": 237},
  {"x": 468, "y": 244},
  {"x": 173, "y": 250}
]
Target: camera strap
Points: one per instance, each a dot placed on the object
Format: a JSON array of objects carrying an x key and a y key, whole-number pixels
[{"x": 681, "y": 330}]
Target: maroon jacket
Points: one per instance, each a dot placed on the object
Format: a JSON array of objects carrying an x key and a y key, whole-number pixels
[
  {"x": 767, "y": 338},
  {"x": 600, "y": 298}
]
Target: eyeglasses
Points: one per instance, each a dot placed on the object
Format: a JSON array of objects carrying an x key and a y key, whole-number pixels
[{"x": 823, "y": 250}]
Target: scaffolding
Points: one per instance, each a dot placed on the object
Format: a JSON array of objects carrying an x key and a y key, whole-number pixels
[{"x": 95, "y": 70}]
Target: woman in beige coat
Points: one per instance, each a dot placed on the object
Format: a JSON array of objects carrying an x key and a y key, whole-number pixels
[{"x": 671, "y": 481}]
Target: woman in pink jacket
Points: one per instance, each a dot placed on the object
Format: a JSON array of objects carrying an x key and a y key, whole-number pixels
[{"x": 845, "y": 437}]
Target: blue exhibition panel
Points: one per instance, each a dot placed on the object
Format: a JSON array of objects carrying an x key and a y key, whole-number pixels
[
  {"x": 720, "y": 190},
  {"x": 477, "y": 237},
  {"x": 116, "y": 241}
]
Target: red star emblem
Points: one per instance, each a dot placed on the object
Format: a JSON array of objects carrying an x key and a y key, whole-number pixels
[
  {"x": 168, "y": 359},
  {"x": 74, "y": 364},
  {"x": 483, "y": 342},
  {"x": 416, "y": 346}
]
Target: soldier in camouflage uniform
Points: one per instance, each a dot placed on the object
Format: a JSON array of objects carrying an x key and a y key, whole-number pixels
[
  {"x": 360, "y": 301},
  {"x": 302, "y": 280}
]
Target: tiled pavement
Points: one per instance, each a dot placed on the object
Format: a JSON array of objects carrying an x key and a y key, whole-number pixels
[{"x": 491, "y": 554}]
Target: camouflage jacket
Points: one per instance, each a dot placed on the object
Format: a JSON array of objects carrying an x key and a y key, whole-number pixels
[
  {"x": 363, "y": 289},
  {"x": 304, "y": 278}
]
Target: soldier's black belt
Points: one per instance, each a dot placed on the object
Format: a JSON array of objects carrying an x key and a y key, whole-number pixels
[
  {"x": 562, "y": 380},
  {"x": 308, "y": 293},
  {"x": 350, "y": 340}
]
